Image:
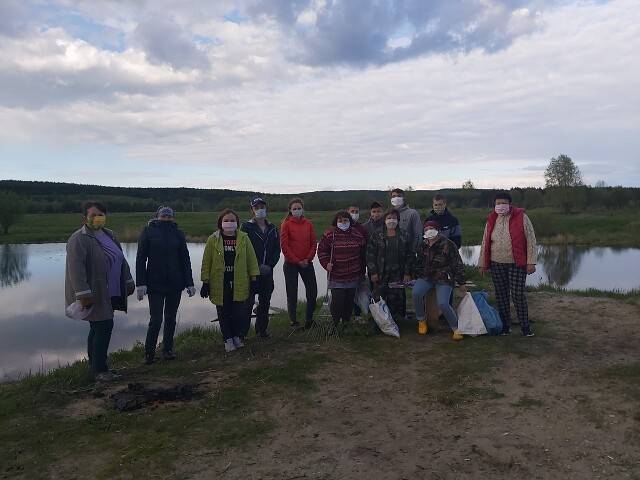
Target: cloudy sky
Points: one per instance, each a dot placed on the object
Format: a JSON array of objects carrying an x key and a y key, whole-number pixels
[{"x": 298, "y": 95}]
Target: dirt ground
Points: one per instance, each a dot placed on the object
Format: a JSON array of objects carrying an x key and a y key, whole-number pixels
[{"x": 551, "y": 407}]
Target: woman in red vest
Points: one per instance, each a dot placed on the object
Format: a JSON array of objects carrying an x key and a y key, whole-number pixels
[
  {"x": 298, "y": 244},
  {"x": 509, "y": 252}
]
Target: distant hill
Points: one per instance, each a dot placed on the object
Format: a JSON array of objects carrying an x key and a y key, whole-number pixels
[{"x": 53, "y": 197}]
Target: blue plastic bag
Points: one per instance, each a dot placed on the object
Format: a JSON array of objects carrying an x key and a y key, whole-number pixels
[{"x": 490, "y": 316}]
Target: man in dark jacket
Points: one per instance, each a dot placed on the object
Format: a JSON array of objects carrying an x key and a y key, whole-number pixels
[
  {"x": 375, "y": 222},
  {"x": 266, "y": 243},
  {"x": 449, "y": 225},
  {"x": 163, "y": 271}
]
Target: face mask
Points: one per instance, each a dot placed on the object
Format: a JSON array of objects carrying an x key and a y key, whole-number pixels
[
  {"x": 297, "y": 213},
  {"x": 502, "y": 208},
  {"x": 344, "y": 226},
  {"x": 261, "y": 213},
  {"x": 96, "y": 223},
  {"x": 230, "y": 226},
  {"x": 439, "y": 210},
  {"x": 391, "y": 223},
  {"x": 397, "y": 201},
  {"x": 355, "y": 216},
  {"x": 431, "y": 234}
]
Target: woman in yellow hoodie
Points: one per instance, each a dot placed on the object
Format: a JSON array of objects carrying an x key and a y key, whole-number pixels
[{"x": 229, "y": 270}]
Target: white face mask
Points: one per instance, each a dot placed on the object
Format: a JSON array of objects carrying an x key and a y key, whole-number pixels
[
  {"x": 397, "y": 201},
  {"x": 297, "y": 213},
  {"x": 502, "y": 208},
  {"x": 430, "y": 234},
  {"x": 229, "y": 226},
  {"x": 344, "y": 226},
  {"x": 391, "y": 223},
  {"x": 261, "y": 213},
  {"x": 355, "y": 216}
]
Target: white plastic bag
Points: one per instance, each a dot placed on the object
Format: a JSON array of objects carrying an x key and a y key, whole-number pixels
[
  {"x": 77, "y": 311},
  {"x": 363, "y": 297},
  {"x": 382, "y": 316},
  {"x": 469, "y": 319}
]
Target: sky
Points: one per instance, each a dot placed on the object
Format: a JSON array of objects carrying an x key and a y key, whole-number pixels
[{"x": 299, "y": 95}]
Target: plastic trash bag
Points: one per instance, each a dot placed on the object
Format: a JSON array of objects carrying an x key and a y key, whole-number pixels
[
  {"x": 363, "y": 297},
  {"x": 382, "y": 316},
  {"x": 77, "y": 312},
  {"x": 490, "y": 316},
  {"x": 469, "y": 319}
]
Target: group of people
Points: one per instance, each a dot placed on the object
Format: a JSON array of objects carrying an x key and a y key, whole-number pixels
[{"x": 389, "y": 252}]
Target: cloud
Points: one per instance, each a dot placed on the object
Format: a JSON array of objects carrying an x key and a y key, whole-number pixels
[
  {"x": 164, "y": 41},
  {"x": 364, "y": 32}
]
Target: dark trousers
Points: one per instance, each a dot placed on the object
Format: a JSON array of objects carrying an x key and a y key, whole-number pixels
[
  {"x": 162, "y": 305},
  {"x": 394, "y": 297},
  {"x": 509, "y": 280},
  {"x": 264, "y": 291},
  {"x": 341, "y": 304},
  {"x": 308, "y": 275},
  {"x": 98, "y": 344},
  {"x": 233, "y": 316}
]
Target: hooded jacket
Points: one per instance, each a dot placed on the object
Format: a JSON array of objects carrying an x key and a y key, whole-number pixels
[
  {"x": 449, "y": 226},
  {"x": 410, "y": 223},
  {"x": 297, "y": 239},
  {"x": 162, "y": 262},
  {"x": 440, "y": 262}
]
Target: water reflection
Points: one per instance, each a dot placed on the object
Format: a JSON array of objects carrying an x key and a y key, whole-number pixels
[
  {"x": 14, "y": 260},
  {"x": 561, "y": 263},
  {"x": 35, "y": 334}
]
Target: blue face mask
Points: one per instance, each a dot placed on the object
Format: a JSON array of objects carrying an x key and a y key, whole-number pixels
[
  {"x": 261, "y": 213},
  {"x": 344, "y": 226}
]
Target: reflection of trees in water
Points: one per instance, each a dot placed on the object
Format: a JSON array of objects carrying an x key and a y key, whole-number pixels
[
  {"x": 13, "y": 264},
  {"x": 560, "y": 263}
]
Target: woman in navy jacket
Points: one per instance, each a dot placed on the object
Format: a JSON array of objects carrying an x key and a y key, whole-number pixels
[
  {"x": 163, "y": 271},
  {"x": 266, "y": 243}
]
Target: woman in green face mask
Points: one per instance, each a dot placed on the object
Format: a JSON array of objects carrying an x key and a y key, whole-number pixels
[{"x": 98, "y": 278}]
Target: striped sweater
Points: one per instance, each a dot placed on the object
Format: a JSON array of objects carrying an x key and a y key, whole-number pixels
[{"x": 348, "y": 253}]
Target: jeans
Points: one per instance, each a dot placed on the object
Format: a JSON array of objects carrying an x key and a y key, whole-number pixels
[
  {"x": 98, "y": 344},
  {"x": 443, "y": 293},
  {"x": 341, "y": 304},
  {"x": 162, "y": 305},
  {"x": 308, "y": 275},
  {"x": 264, "y": 291}
]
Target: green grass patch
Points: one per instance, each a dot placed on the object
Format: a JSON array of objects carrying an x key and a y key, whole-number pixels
[{"x": 633, "y": 294}]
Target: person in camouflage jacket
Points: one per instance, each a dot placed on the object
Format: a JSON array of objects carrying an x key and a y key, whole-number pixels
[
  {"x": 438, "y": 265},
  {"x": 389, "y": 259}
]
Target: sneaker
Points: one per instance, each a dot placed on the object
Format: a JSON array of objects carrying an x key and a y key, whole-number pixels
[
  {"x": 505, "y": 333},
  {"x": 457, "y": 335},
  {"x": 422, "y": 327},
  {"x": 168, "y": 355},
  {"x": 229, "y": 346},
  {"x": 105, "y": 377},
  {"x": 148, "y": 359},
  {"x": 528, "y": 333},
  {"x": 237, "y": 342},
  {"x": 295, "y": 324}
]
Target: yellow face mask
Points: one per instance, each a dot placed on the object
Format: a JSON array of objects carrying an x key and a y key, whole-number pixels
[{"x": 97, "y": 222}]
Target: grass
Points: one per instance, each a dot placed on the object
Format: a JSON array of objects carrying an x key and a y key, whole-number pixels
[
  {"x": 593, "y": 228},
  {"x": 633, "y": 294}
]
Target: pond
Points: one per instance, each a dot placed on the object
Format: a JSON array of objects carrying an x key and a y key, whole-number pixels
[{"x": 35, "y": 335}]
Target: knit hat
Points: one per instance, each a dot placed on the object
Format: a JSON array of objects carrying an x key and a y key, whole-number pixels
[
  {"x": 432, "y": 224},
  {"x": 165, "y": 211}
]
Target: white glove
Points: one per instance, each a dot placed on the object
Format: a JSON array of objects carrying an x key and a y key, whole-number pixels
[
  {"x": 191, "y": 291},
  {"x": 141, "y": 292}
]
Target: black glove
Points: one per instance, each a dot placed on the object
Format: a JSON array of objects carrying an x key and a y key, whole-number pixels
[{"x": 204, "y": 291}]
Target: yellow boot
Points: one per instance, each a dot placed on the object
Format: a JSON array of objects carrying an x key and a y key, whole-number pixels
[
  {"x": 422, "y": 327},
  {"x": 457, "y": 335}
]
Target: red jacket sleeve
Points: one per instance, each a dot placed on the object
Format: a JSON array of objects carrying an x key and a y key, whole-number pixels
[
  {"x": 312, "y": 243},
  {"x": 324, "y": 249},
  {"x": 289, "y": 256}
]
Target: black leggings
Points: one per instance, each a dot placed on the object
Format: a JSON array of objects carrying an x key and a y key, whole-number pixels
[
  {"x": 342, "y": 304},
  {"x": 162, "y": 306},
  {"x": 308, "y": 275}
]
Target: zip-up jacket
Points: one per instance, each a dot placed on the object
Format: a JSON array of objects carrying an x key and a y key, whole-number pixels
[
  {"x": 346, "y": 251},
  {"x": 297, "y": 239},
  {"x": 449, "y": 226},
  {"x": 266, "y": 244}
]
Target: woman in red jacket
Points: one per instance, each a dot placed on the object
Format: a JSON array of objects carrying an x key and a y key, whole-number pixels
[
  {"x": 298, "y": 244},
  {"x": 342, "y": 253}
]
